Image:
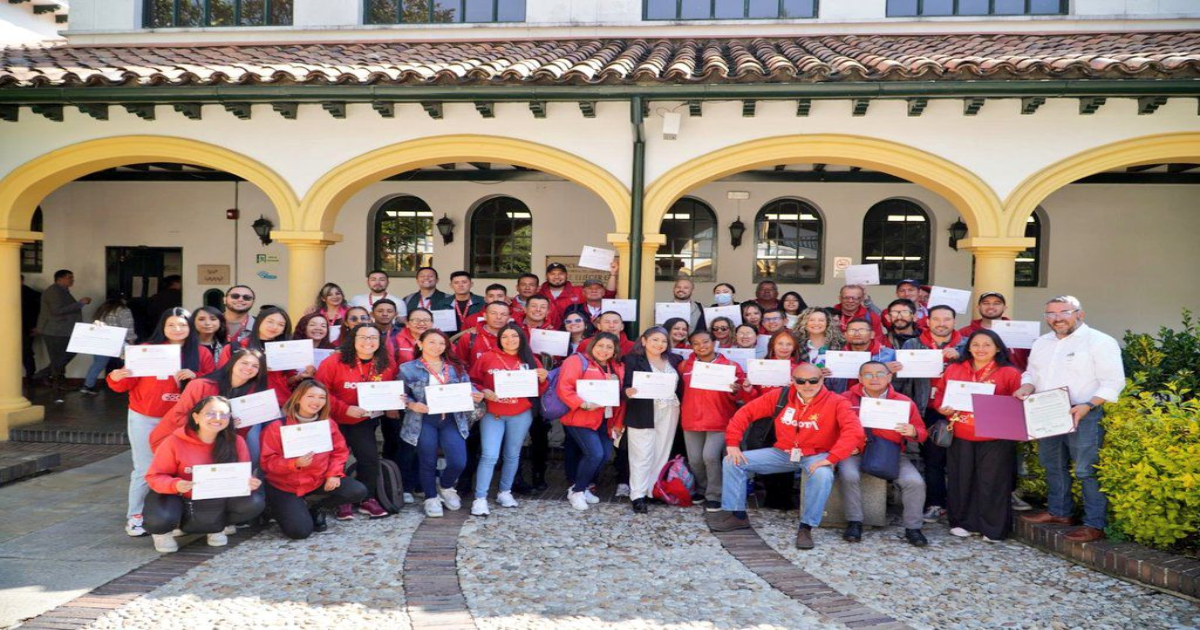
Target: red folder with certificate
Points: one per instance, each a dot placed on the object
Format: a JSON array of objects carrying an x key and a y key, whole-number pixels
[{"x": 1040, "y": 415}]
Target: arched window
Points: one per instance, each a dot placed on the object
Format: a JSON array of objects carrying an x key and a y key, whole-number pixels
[
  {"x": 1029, "y": 262},
  {"x": 788, "y": 235},
  {"x": 403, "y": 236},
  {"x": 896, "y": 235},
  {"x": 501, "y": 238},
  {"x": 31, "y": 253},
  {"x": 691, "y": 231}
]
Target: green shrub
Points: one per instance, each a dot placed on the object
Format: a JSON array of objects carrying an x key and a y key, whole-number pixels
[{"x": 1170, "y": 357}]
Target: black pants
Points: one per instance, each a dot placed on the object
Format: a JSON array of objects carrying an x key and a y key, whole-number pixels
[
  {"x": 401, "y": 452},
  {"x": 934, "y": 458},
  {"x": 360, "y": 438},
  {"x": 27, "y": 355},
  {"x": 981, "y": 482},
  {"x": 56, "y": 347},
  {"x": 466, "y": 481},
  {"x": 621, "y": 462},
  {"x": 163, "y": 513},
  {"x": 292, "y": 512},
  {"x": 539, "y": 448},
  {"x": 780, "y": 491}
]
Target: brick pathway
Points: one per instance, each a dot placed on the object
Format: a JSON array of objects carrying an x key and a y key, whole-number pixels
[{"x": 431, "y": 588}]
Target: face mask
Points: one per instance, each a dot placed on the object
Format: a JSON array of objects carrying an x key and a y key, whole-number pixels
[{"x": 724, "y": 299}]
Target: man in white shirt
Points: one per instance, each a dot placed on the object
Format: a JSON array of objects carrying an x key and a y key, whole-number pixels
[
  {"x": 1088, "y": 363},
  {"x": 377, "y": 282}
]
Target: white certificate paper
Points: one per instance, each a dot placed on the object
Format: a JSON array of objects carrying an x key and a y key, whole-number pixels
[
  {"x": 627, "y": 309},
  {"x": 445, "y": 320},
  {"x": 713, "y": 376},
  {"x": 920, "y": 363},
  {"x": 605, "y": 393},
  {"x": 516, "y": 383},
  {"x": 740, "y": 356},
  {"x": 669, "y": 310},
  {"x": 770, "y": 372},
  {"x": 863, "y": 274},
  {"x": 958, "y": 394},
  {"x": 682, "y": 352},
  {"x": 256, "y": 408},
  {"x": 320, "y": 354},
  {"x": 879, "y": 413},
  {"x": 159, "y": 360},
  {"x": 450, "y": 398},
  {"x": 1016, "y": 334},
  {"x": 103, "y": 341},
  {"x": 308, "y": 437},
  {"x": 289, "y": 355},
  {"x": 1048, "y": 413},
  {"x": 219, "y": 481},
  {"x": 732, "y": 312},
  {"x": 596, "y": 258},
  {"x": 552, "y": 342},
  {"x": 381, "y": 395},
  {"x": 845, "y": 363},
  {"x": 654, "y": 385},
  {"x": 957, "y": 299}
]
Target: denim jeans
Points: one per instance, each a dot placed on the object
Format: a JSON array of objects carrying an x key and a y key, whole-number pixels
[
  {"x": 440, "y": 430},
  {"x": 596, "y": 446},
  {"x": 139, "y": 428},
  {"x": 771, "y": 460},
  {"x": 93, "y": 374},
  {"x": 495, "y": 432},
  {"x": 1082, "y": 447},
  {"x": 254, "y": 443}
]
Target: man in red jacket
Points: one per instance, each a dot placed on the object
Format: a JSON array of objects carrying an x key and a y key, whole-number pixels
[
  {"x": 815, "y": 430},
  {"x": 480, "y": 340},
  {"x": 850, "y": 306},
  {"x": 564, "y": 294},
  {"x": 991, "y": 308}
]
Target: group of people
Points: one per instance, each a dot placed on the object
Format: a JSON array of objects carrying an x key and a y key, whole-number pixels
[{"x": 809, "y": 429}]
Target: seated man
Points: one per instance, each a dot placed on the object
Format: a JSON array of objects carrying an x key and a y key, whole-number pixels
[
  {"x": 875, "y": 381},
  {"x": 815, "y": 429}
]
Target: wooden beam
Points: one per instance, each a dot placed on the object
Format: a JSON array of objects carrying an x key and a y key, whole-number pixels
[
  {"x": 433, "y": 109},
  {"x": 971, "y": 106},
  {"x": 1089, "y": 104},
  {"x": 1030, "y": 104},
  {"x": 99, "y": 111},
  {"x": 50, "y": 111},
  {"x": 241, "y": 110},
  {"x": 860, "y": 106},
  {"x": 538, "y": 108},
  {"x": 748, "y": 108},
  {"x": 485, "y": 109},
  {"x": 191, "y": 110},
  {"x": 803, "y": 106},
  {"x": 287, "y": 110},
  {"x": 145, "y": 111},
  {"x": 1149, "y": 104},
  {"x": 916, "y": 106},
  {"x": 10, "y": 113},
  {"x": 588, "y": 108},
  {"x": 386, "y": 109},
  {"x": 337, "y": 109},
  {"x": 695, "y": 109}
]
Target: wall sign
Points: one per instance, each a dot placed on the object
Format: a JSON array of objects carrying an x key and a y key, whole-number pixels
[
  {"x": 840, "y": 263},
  {"x": 212, "y": 274}
]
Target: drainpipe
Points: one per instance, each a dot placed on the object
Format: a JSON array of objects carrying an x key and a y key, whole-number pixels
[{"x": 638, "y": 189}]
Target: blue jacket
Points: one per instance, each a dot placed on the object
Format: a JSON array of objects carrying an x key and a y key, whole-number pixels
[{"x": 416, "y": 378}]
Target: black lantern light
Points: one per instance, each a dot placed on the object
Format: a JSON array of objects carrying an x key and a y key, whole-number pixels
[
  {"x": 958, "y": 232},
  {"x": 737, "y": 229},
  {"x": 262, "y": 227},
  {"x": 445, "y": 226}
]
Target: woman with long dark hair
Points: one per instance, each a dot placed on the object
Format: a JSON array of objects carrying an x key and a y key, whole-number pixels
[
  {"x": 314, "y": 326},
  {"x": 354, "y": 316},
  {"x": 650, "y": 424},
  {"x": 581, "y": 329},
  {"x": 331, "y": 302},
  {"x": 792, "y": 305},
  {"x": 211, "y": 330},
  {"x": 677, "y": 332},
  {"x": 592, "y": 426},
  {"x": 272, "y": 324},
  {"x": 114, "y": 312},
  {"x": 752, "y": 314}
]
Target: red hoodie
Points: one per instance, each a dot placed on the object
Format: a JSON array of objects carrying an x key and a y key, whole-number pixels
[
  {"x": 861, "y": 313},
  {"x": 403, "y": 347},
  {"x": 706, "y": 410},
  {"x": 282, "y": 473},
  {"x": 1007, "y": 380},
  {"x": 154, "y": 397},
  {"x": 342, "y": 381},
  {"x": 927, "y": 340},
  {"x": 572, "y": 371},
  {"x": 496, "y": 361},
  {"x": 626, "y": 346},
  {"x": 176, "y": 416},
  {"x": 474, "y": 344},
  {"x": 571, "y": 294},
  {"x": 174, "y": 459},
  {"x": 277, "y": 381},
  {"x": 855, "y": 396},
  {"x": 827, "y": 424},
  {"x": 1019, "y": 356}
]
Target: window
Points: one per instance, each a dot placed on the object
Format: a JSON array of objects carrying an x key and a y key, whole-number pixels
[
  {"x": 200, "y": 13},
  {"x": 501, "y": 238},
  {"x": 1029, "y": 262},
  {"x": 439, "y": 11},
  {"x": 403, "y": 236},
  {"x": 31, "y": 253},
  {"x": 690, "y": 228},
  {"x": 911, "y": 8},
  {"x": 787, "y": 239},
  {"x": 896, "y": 235},
  {"x": 728, "y": 9}
]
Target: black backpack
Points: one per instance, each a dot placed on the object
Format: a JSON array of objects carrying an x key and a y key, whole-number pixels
[
  {"x": 761, "y": 432},
  {"x": 390, "y": 490}
]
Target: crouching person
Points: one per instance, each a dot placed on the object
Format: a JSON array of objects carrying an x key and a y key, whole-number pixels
[
  {"x": 875, "y": 381},
  {"x": 301, "y": 489},
  {"x": 208, "y": 437},
  {"x": 814, "y": 429}
]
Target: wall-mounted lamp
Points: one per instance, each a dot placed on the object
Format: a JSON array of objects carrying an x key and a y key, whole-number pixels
[
  {"x": 445, "y": 227},
  {"x": 958, "y": 232},
  {"x": 262, "y": 227},
  {"x": 737, "y": 229}
]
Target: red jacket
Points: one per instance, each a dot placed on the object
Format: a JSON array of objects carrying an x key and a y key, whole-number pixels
[
  {"x": 342, "y": 381},
  {"x": 855, "y": 396},
  {"x": 174, "y": 459},
  {"x": 827, "y": 424},
  {"x": 927, "y": 340},
  {"x": 475, "y": 343},
  {"x": 277, "y": 381},
  {"x": 498, "y": 360},
  {"x": 1019, "y": 356},
  {"x": 176, "y": 417},
  {"x": 862, "y": 313},
  {"x": 1007, "y": 380},
  {"x": 403, "y": 347},
  {"x": 706, "y": 410},
  {"x": 571, "y": 294},
  {"x": 154, "y": 397},
  {"x": 283, "y": 474},
  {"x": 572, "y": 371},
  {"x": 551, "y": 322},
  {"x": 625, "y": 346}
]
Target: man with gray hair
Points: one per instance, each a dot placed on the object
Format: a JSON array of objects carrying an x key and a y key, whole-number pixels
[{"x": 1088, "y": 363}]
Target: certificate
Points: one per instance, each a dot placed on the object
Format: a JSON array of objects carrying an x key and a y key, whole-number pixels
[
  {"x": 770, "y": 372},
  {"x": 219, "y": 481},
  {"x": 740, "y": 356},
  {"x": 670, "y": 310},
  {"x": 445, "y": 320},
  {"x": 957, "y": 299},
  {"x": 605, "y": 393},
  {"x": 256, "y": 408},
  {"x": 713, "y": 376},
  {"x": 289, "y": 355},
  {"x": 845, "y": 364},
  {"x": 762, "y": 346},
  {"x": 958, "y": 394},
  {"x": 308, "y": 437},
  {"x": 1048, "y": 413},
  {"x": 159, "y": 360},
  {"x": 450, "y": 398},
  {"x": 516, "y": 383},
  {"x": 682, "y": 352},
  {"x": 627, "y": 309},
  {"x": 320, "y": 354},
  {"x": 1017, "y": 334},
  {"x": 879, "y": 413},
  {"x": 1040, "y": 415},
  {"x": 103, "y": 341},
  {"x": 381, "y": 395},
  {"x": 552, "y": 342},
  {"x": 920, "y": 363},
  {"x": 732, "y": 312},
  {"x": 654, "y": 385},
  {"x": 862, "y": 274},
  {"x": 596, "y": 258}
]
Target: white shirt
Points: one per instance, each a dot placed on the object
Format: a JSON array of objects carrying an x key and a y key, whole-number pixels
[
  {"x": 366, "y": 301},
  {"x": 1087, "y": 362}
]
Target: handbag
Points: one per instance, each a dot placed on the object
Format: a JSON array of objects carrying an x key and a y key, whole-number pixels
[
  {"x": 881, "y": 458},
  {"x": 941, "y": 433},
  {"x": 761, "y": 432}
]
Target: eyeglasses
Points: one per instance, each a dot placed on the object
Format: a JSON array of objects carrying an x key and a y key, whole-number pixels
[
  {"x": 572, "y": 321},
  {"x": 772, "y": 319},
  {"x": 241, "y": 296},
  {"x": 808, "y": 381},
  {"x": 904, "y": 313},
  {"x": 216, "y": 415},
  {"x": 422, "y": 320},
  {"x": 720, "y": 328},
  {"x": 1061, "y": 314},
  {"x": 363, "y": 318},
  {"x": 366, "y": 338},
  {"x": 870, "y": 376}
]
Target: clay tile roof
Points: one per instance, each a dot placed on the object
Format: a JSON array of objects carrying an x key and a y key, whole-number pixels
[{"x": 841, "y": 58}]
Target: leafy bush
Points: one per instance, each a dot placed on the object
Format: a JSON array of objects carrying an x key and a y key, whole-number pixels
[{"x": 1170, "y": 357}]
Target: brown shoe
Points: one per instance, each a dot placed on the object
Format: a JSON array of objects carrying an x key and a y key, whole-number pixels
[
  {"x": 804, "y": 538},
  {"x": 726, "y": 522},
  {"x": 1046, "y": 518},
  {"x": 1085, "y": 535}
]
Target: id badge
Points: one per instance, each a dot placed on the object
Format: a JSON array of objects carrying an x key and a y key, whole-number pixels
[
  {"x": 788, "y": 414},
  {"x": 796, "y": 455}
]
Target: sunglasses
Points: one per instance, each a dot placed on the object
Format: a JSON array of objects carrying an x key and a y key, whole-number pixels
[
  {"x": 241, "y": 296},
  {"x": 573, "y": 321},
  {"x": 364, "y": 318},
  {"x": 720, "y": 328},
  {"x": 808, "y": 381},
  {"x": 216, "y": 415}
]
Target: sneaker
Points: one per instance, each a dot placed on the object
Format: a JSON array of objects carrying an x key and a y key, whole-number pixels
[
  {"x": 622, "y": 490},
  {"x": 915, "y": 537},
  {"x": 133, "y": 526},
  {"x": 450, "y": 498},
  {"x": 505, "y": 499},
  {"x": 591, "y": 498},
  {"x": 319, "y": 523},
  {"x": 217, "y": 540},
  {"x": 959, "y": 532},
  {"x": 165, "y": 543},
  {"x": 409, "y": 498},
  {"x": 990, "y": 540},
  {"x": 177, "y": 532},
  {"x": 727, "y": 522},
  {"x": 934, "y": 513},
  {"x": 230, "y": 530},
  {"x": 804, "y": 538},
  {"x": 88, "y": 391},
  {"x": 433, "y": 508},
  {"x": 712, "y": 506},
  {"x": 578, "y": 500},
  {"x": 371, "y": 508},
  {"x": 479, "y": 507},
  {"x": 1019, "y": 504},
  {"x": 344, "y": 512}
]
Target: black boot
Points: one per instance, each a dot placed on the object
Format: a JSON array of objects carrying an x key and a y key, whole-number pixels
[
  {"x": 519, "y": 486},
  {"x": 318, "y": 517},
  {"x": 915, "y": 537},
  {"x": 639, "y": 506},
  {"x": 539, "y": 482},
  {"x": 853, "y": 532}
]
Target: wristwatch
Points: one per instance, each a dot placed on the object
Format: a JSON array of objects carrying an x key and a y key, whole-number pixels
[{"x": 1091, "y": 405}]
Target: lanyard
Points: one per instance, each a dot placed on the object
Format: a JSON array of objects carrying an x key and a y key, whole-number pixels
[
  {"x": 443, "y": 377},
  {"x": 462, "y": 315},
  {"x": 369, "y": 375},
  {"x": 981, "y": 375},
  {"x": 424, "y": 302},
  {"x": 503, "y": 361},
  {"x": 803, "y": 412}
]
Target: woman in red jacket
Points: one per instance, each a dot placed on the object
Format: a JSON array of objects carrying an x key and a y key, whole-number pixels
[
  {"x": 593, "y": 427},
  {"x": 272, "y": 324},
  {"x": 979, "y": 471},
  {"x": 300, "y": 488},
  {"x": 783, "y": 345},
  {"x": 361, "y": 358},
  {"x": 208, "y": 438},
  {"x": 314, "y": 326},
  {"x": 245, "y": 373},
  {"x": 151, "y": 398}
]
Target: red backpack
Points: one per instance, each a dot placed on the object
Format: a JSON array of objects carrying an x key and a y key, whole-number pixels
[{"x": 675, "y": 483}]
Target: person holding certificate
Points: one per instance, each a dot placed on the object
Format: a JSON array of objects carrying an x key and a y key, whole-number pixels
[
  {"x": 316, "y": 327},
  {"x": 991, "y": 308},
  {"x": 245, "y": 373},
  {"x": 592, "y": 425},
  {"x": 115, "y": 313},
  {"x": 782, "y": 346},
  {"x": 429, "y": 432},
  {"x": 403, "y": 348},
  {"x": 816, "y": 335},
  {"x": 210, "y": 330},
  {"x": 563, "y": 294},
  {"x": 475, "y": 342},
  {"x": 271, "y": 324},
  {"x": 610, "y": 322},
  {"x": 650, "y": 423},
  {"x": 150, "y": 399},
  {"x": 302, "y": 487},
  {"x": 979, "y": 470},
  {"x": 851, "y": 298},
  {"x": 508, "y": 418},
  {"x": 861, "y": 337},
  {"x": 361, "y": 358},
  {"x": 207, "y": 438}
]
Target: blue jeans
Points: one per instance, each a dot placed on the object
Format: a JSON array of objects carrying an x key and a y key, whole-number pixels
[
  {"x": 254, "y": 443},
  {"x": 139, "y": 428},
  {"x": 495, "y": 431},
  {"x": 766, "y": 461},
  {"x": 596, "y": 446},
  {"x": 440, "y": 430},
  {"x": 93, "y": 374},
  {"x": 1082, "y": 447}
]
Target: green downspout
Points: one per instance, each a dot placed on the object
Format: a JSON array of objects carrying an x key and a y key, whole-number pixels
[{"x": 635, "y": 218}]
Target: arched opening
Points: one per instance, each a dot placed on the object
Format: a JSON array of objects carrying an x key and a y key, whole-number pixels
[
  {"x": 789, "y": 234},
  {"x": 690, "y": 249},
  {"x": 501, "y": 230},
  {"x": 400, "y": 238},
  {"x": 897, "y": 236}
]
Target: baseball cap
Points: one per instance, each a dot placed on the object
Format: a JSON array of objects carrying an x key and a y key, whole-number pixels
[
  {"x": 592, "y": 281},
  {"x": 553, "y": 266},
  {"x": 993, "y": 294},
  {"x": 909, "y": 281}
]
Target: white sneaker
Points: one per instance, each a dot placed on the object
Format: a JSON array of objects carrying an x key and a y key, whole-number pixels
[
  {"x": 217, "y": 540},
  {"x": 433, "y": 508},
  {"x": 165, "y": 543},
  {"x": 450, "y": 498},
  {"x": 408, "y": 498},
  {"x": 133, "y": 526},
  {"x": 230, "y": 530},
  {"x": 934, "y": 513},
  {"x": 959, "y": 532},
  {"x": 505, "y": 499},
  {"x": 991, "y": 540},
  {"x": 577, "y": 500},
  {"x": 623, "y": 490},
  {"x": 479, "y": 507},
  {"x": 591, "y": 498},
  {"x": 178, "y": 532}
]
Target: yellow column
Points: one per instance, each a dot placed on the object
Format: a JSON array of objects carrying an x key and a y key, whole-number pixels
[
  {"x": 650, "y": 246},
  {"x": 996, "y": 264},
  {"x": 306, "y": 266},
  {"x": 620, "y": 242},
  {"x": 15, "y": 409}
]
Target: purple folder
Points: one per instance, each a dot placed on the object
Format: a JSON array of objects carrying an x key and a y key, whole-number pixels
[{"x": 1000, "y": 417}]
